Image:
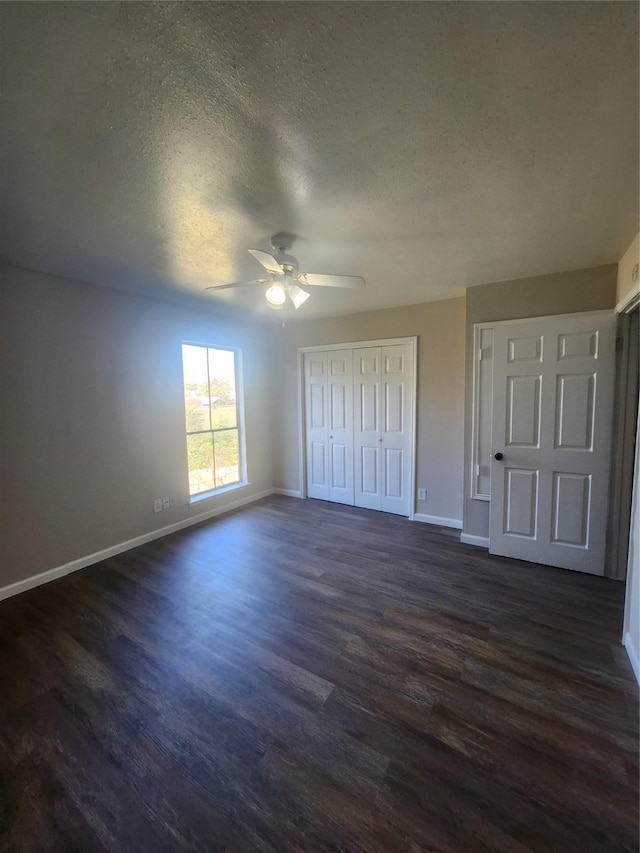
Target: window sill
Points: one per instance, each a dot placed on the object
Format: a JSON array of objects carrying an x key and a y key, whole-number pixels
[{"x": 223, "y": 490}]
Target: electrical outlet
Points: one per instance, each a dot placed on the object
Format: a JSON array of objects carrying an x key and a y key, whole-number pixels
[
  {"x": 166, "y": 503},
  {"x": 422, "y": 494},
  {"x": 157, "y": 504}
]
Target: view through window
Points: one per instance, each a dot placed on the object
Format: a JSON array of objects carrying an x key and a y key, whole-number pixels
[{"x": 211, "y": 412}]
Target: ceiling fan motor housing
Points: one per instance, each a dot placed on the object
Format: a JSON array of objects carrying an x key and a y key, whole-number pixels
[
  {"x": 281, "y": 243},
  {"x": 287, "y": 262}
]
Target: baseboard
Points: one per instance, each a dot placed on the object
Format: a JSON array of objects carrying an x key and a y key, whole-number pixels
[
  {"x": 98, "y": 556},
  {"x": 633, "y": 655},
  {"x": 478, "y": 541},
  {"x": 437, "y": 520},
  {"x": 289, "y": 493}
]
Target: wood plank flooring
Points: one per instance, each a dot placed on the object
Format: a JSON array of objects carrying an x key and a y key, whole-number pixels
[{"x": 301, "y": 676}]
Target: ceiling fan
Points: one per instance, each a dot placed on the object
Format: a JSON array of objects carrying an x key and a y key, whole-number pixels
[{"x": 284, "y": 279}]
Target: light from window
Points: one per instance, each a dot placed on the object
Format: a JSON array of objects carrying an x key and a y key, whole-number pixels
[{"x": 211, "y": 414}]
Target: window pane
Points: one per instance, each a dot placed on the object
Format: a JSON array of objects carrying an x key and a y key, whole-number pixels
[
  {"x": 213, "y": 437},
  {"x": 200, "y": 456},
  {"x": 196, "y": 388},
  {"x": 223, "y": 415},
  {"x": 222, "y": 388},
  {"x": 227, "y": 457}
]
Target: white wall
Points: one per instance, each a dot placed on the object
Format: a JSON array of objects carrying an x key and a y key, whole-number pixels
[
  {"x": 92, "y": 416},
  {"x": 631, "y": 630}
]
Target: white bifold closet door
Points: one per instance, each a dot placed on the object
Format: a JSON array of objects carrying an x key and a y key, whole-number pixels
[
  {"x": 358, "y": 419},
  {"x": 329, "y": 425},
  {"x": 383, "y": 398}
]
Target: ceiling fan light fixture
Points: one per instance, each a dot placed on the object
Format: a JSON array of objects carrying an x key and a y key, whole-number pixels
[
  {"x": 298, "y": 295},
  {"x": 276, "y": 295},
  {"x": 284, "y": 276}
]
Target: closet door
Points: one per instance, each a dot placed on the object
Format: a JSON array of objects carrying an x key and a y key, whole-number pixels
[
  {"x": 329, "y": 425},
  {"x": 396, "y": 403},
  {"x": 316, "y": 418},
  {"x": 367, "y": 432},
  {"x": 340, "y": 425},
  {"x": 383, "y": 392}
]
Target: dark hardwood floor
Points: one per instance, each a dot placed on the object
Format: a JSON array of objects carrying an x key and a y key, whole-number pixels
[{"x": 304, "y": 676}]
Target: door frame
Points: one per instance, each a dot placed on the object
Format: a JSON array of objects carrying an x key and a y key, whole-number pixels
[
  {"x": 624, "y": 439},
  {"x": 353, "y": 345}
]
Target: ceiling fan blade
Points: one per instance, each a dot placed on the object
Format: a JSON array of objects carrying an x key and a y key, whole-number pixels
[
  {"x": 267, "y": 261},
  {"x": 236, "y": 284},
  {"x": 319, "y": 280}
]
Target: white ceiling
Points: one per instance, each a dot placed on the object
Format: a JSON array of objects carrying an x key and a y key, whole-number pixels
[{"x": 425, "y": 146}]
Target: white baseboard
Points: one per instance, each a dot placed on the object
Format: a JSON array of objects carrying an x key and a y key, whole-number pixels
[
  {"x": 438, "y": 520},
  {"x": 633, "y": 655},
  {"x": 289, "y": 493},
  {"x": 478, "y": 541},
  {"x": 90, "y": 559}
]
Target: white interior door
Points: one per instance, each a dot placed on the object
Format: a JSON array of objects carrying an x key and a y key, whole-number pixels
[
  {"x": 367, "y": 431},
  {"x": 383, "y": 392},
  {"x": 316, "y": 423},
  {"x": 395, "y": 419},
  {"x": 340, "y": 418},
  {"x": 552, "y": 412},
  {"x": 329, "y": 425}
]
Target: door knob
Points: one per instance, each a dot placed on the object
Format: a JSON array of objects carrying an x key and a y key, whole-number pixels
[
  {"x": 498, "y": 456},
  {"x": 379, "y": 439}
]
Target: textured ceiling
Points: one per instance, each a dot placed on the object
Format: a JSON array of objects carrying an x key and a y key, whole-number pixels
[{"x": 425, "y": 146}]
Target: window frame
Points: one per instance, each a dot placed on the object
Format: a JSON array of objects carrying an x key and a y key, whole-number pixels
[{"x": 240, "y": 422}]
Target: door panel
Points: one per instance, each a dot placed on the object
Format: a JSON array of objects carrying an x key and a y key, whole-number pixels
[
  {"x": 369, "y": 359},
  {"x": 338, "y": 411},
  {"x": 575, "y": 401},
  {"x": 552, "y": 411},
  {"x": 369, "y": 468},
  {"x": 394, "y": 363},
  {"x": 578, "y": 344},
  {"x": 316, "y": 417},
  {"x": 339, "y": 456},
  {"x": 523, "y": 411},
  {"x": 397, "y": 385},
  {"x": 369, "y": 406},
  {"x": 367, "y": 441},
  {"x": 521, "y": 502},
  {"x": 384, "y": 406},
  {"x": 570, "y": 512},
  {"x": 393, "y": 408},
  {"x": 393, "y": 473},
  {"x": 318, "y": 464},
  {"x": 523, "y": 349},
  {"x": 340, "y": 385},
  {"x": 318, "y": 405}
]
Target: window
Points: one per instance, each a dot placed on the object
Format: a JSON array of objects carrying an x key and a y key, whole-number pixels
[{"x": 214, "y": 444}]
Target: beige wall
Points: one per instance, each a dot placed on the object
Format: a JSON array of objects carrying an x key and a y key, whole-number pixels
[
  {"x": 562, "y": 293},
  {"x": 626, "y": 287},
  {"x": 440, "y": 330},
  {"x": 92, "y": 419},
  {"x": 92, "y": 423}
]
